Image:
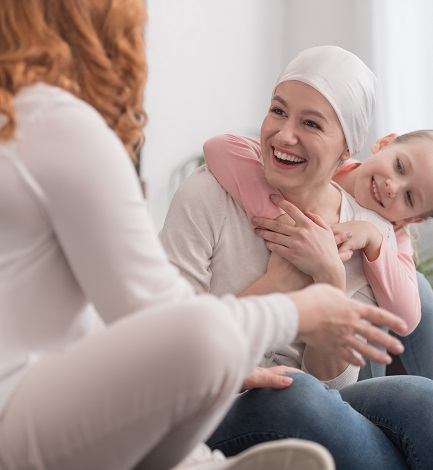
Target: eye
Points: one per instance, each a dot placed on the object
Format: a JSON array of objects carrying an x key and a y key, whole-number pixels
[
  {"x": 278, "y": 111},
  {"x": 409, "y": 198},
  {"x": 312, "y": 124},
  {"x": 399, "y": 166}
]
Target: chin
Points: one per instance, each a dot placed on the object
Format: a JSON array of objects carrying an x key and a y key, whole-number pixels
[{"x": 276, "y": 181}]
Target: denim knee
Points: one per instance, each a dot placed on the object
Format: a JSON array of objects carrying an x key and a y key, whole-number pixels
[{"x": 302, "y": 402}]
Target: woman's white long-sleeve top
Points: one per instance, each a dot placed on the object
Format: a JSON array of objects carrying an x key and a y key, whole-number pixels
[{"x": 77, "y": 248}]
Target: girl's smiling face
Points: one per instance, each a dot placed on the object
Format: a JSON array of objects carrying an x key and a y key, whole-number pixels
[
  {"x": 302, "y": 139},
  {"x": 397, "y": 180}
]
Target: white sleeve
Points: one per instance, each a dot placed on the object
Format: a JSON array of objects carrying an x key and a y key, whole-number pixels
[
  {"x": 96, "y": 208},
  {"x": 98, "y": 214}
]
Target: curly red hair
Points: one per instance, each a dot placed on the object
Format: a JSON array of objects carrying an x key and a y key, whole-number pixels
[{"x": 92, "y": 48}]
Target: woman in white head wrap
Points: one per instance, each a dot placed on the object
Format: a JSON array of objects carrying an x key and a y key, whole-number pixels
[
  {"x": 345, "y": 81},
  {"x": 330, "y": 70},
  {"x": 321, "y": 110}
]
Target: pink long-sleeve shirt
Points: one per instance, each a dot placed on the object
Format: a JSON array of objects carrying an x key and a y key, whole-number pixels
[{"x": 392, "y": 276}]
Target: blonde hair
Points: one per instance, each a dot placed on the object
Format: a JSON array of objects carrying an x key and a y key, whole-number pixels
[
  {"x": 91, "y": 48},
  {"x": 420, "y": 134}
]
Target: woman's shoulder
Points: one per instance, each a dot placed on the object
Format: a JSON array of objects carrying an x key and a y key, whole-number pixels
[
  {"x": 42, "y": 105},
  {"x": 62, "y": 138},
  {"x": 202, "y": 187},
  {"x": 201, "y": 198},
  {"x": 41, "y": 96}
]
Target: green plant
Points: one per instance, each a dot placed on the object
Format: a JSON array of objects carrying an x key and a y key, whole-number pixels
[
  {"x": 426, "y": 267},
  {"x": 183, "y": 170}
]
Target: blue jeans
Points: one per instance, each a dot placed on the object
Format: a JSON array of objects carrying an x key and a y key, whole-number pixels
[
  {"x": 417, "y": 358},
  {"x": 383, "y": 423}
]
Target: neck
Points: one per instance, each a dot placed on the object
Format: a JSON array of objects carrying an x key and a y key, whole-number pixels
[{"x": 326, "y": 202}]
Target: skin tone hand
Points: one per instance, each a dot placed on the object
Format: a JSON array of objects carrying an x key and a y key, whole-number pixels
[
  {"x": 272, "y": 377},
  {"x": 309, "y": 244},
  {"x": 358, "y": 235},
  {"x": 331, "y": 321},
  {"x": 280, "y": 276},
  {"x": 316, "y": 236}
]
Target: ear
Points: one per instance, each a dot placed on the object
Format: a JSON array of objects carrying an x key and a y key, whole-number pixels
[
  {"x": 382, "y": 142},
  {"x": 345, "y": 155},
  {"x": 409, "y": 220}
]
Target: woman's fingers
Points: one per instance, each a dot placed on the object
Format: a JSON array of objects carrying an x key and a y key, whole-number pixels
[
  {"x": 274, "y": 237},
  {"x": 377, "y": 336},
  {"x": 272, "y": 377},
  {"x": 382, "y": 317},
  {"x": 359, "y": 347},
  {"x": 343, "y": 324},
  {"x": 318, "y": 220},
  {"x": 297, "y": 215},
  {"x": 297, "y": 218}
]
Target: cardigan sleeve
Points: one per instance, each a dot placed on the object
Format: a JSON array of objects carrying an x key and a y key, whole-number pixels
[{"x": 192, "y": 227}]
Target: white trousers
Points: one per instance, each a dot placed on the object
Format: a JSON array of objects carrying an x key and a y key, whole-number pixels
[{"x": 140, "y": 394}]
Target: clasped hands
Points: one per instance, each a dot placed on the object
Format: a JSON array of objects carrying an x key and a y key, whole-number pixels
[{"x": 306, "y": 241}]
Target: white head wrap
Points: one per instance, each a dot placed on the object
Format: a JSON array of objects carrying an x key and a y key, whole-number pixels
[{"x": 345, "y": 81}]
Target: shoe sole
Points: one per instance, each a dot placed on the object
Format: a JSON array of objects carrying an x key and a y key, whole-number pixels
[{"x": 291, "y": 454}]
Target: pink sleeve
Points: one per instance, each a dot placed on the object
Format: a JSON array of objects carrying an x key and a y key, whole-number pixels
[
  {"x": 236, "y": 163},
  {"x": 393, "y": 280}
]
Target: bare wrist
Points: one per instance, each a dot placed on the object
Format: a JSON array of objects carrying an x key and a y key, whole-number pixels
[
  {"x": 335, "y": 277},
  {"x": 372, "y": 250}
]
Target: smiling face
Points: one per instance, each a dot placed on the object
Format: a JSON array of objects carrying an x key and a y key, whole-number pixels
[
  {"x": 396, "y": 181},
  {"x": 302, "y": 140}
]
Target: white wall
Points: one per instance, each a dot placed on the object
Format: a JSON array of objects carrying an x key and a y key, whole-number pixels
[{"x": 212, "y": 66}]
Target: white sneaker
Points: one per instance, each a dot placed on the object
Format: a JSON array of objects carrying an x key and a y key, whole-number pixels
[
  {"x": 201, "y": 454},
  {"x": 290, "y": 454}
]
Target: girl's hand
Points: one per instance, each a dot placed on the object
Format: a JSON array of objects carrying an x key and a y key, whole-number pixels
[
  {"x": 308, "y": 244},
  {"x": 358, "y": 235}
]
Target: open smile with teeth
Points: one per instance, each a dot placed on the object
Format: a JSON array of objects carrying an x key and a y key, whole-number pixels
[
  {"x": 287, "y": 159},
  {"x": 376, "y": 192}
]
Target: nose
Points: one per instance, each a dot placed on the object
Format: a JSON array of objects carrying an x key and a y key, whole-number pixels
[
  {"x": 391, "y": 187},
  {"x": 288, "y": 134}
]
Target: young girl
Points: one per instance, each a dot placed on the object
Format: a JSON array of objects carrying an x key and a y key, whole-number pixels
[{"x": 394, "y": 182}]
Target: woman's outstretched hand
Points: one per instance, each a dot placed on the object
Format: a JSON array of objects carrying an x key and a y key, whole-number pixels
[{"x": 335, "y": 323}]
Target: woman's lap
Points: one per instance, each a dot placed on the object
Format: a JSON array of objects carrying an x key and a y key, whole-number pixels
[
  {"x": 108, "y": 403},
  {"x": 309, "y": 410}
]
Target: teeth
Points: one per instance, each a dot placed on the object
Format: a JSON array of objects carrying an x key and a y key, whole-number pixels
[
  {"x": 289, "y": 158},
  {"x": 376, "y": 194}
]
